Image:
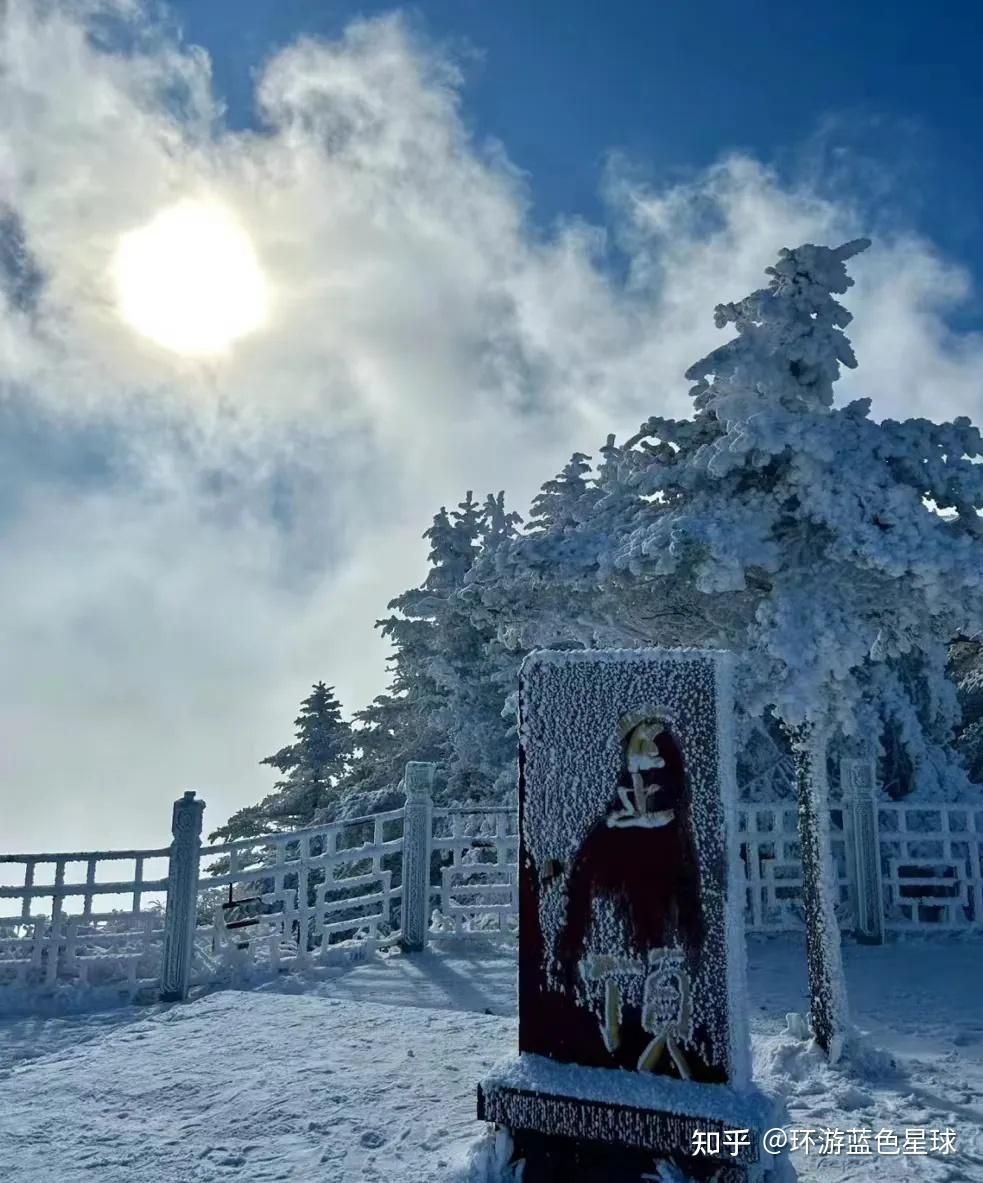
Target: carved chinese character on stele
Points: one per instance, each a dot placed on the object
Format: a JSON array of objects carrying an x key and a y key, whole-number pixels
[{"x": 632, "y": 1020}]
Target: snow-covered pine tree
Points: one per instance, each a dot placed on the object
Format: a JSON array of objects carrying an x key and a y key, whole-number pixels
[
  {"x": 470, "y": 667},
  {"x": 449, "y": 673},
  {"x": 563, "y": 501},
  {"x": 544, "y": 588},
  {"x": 423, "y": 634},
  {"x": 398, "y": 725},
  {"x": 540, "y": 588},
  {"x": 311, "y": 767},
  {"x": 837, "y": 554},
  {"x": 479, "y": 673}
]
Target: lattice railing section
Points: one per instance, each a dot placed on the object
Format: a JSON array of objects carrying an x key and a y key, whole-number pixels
[
  {"x": 773, "y": 868},
  {"x": 477, "y": 892},
  {"x": 96, "y": 920},
  {"x": 932, "y": 866},
  {"x": 92, "y": 920},
  {"x": 286, "y": 900}
]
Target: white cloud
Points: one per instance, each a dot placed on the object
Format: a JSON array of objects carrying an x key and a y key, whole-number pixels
[{"x": 160, "y": 628}]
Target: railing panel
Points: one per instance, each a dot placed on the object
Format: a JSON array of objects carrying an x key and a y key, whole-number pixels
[
  {"x": 932, "y": 866},
  {"x": 289, "y": 900},
  {"x": 770, "y": 853},
  {"x": 931, "y": 855},
  {"x": 76, "y": 922},
  {"x": 477, "y": 890}
]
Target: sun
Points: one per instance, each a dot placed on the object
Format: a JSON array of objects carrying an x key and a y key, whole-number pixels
[{"x": 189, "y": 280}]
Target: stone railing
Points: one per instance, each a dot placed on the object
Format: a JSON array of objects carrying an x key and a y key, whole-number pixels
[
  {"x": 291, "y": 900},
  {"x": 477, "y": 893},
  {"x": 94, "y": 919},
  {"x": 897, "y": 867},
  {"x": 74, "y": 930},
  {"x": 142, "y": 924},
  {"x": 931, "y": 863}
]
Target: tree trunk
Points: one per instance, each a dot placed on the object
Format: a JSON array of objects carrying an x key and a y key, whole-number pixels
[{"x": 827, "y": 989}]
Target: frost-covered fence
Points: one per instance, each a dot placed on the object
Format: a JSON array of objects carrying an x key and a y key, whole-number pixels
[
  {"x": 770, "y": 848},
  {"x": 287, "y": 900},
  {"x": 76, "y": 926},
  {"x": 922, "y": 870},
  {"x": 93, "y": 920},
  {"x": 97, "y": 926},
  {"x": 932, "y": 866},
  {"x": 477, "y": 892}
]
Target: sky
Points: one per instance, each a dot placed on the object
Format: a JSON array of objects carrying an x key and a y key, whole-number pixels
[{"x": 491, "y": 235}]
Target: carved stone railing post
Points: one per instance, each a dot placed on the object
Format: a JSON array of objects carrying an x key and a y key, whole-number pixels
[
  {"x": 182, "y": 898},
  {"x": 858, "y": 778},
  {"x": 417, "y": 835}
]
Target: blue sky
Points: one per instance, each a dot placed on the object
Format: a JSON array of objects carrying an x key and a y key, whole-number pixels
[
  {"x": 490, "y": 233},
  {"x": 890, "y": 89}
]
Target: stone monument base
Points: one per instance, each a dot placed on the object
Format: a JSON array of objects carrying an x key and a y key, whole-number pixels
[{"x": 573, "y": 1124}]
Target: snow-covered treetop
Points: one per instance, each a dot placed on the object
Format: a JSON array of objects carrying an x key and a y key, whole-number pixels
[
  {"x": 790, "y": 342},
  {"x": 824, "y": 516},
  {"x": 310, "y": 766},
  {"x": 453, "y": 544}
]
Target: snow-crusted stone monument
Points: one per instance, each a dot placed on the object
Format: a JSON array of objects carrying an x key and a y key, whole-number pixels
[{"x": 633, "y": 1042}]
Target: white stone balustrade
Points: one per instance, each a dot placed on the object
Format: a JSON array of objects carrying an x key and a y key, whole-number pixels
[
  {"x": 73, "y": 925},
  {"x": 80, "y": 917}
]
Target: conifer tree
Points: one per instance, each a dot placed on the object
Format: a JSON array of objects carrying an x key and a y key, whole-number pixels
[
  {"x": 563, "y": 501},
  {"x": 448, "y": 673},
  {"x": 836, "y": 554},
  {"x": 311, "y": 769}
]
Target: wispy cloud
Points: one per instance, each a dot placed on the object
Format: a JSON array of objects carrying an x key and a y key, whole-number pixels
[{"x": 186, "y": 545}]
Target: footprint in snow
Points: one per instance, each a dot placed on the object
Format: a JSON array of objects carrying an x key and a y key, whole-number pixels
[{"x": 372, "y": 1139}]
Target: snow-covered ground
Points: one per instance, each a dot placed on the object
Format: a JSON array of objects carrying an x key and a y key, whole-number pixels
[{"x": 369, "y": 1072}]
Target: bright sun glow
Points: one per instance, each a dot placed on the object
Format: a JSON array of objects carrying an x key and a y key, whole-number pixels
[{"x": 190, "y": 280}]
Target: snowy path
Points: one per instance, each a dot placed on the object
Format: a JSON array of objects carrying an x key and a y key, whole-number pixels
[
  {"x": 369, "y": 1073},
  {"x": 251, "y": 1086}
]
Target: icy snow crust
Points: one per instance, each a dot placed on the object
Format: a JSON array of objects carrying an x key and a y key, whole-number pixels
[{"x": 572, "y": 708}]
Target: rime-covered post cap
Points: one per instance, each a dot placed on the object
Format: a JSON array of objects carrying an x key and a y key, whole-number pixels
[
  {"x": 857, "y": 777},
  {"x": 418, "y": 781},
  {"x": 187, "y": 815}
]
